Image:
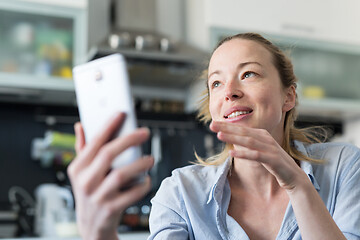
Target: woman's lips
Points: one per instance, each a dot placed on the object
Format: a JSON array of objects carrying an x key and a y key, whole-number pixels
[
  {"x": 237, "y": 116},
  {"x": 236, "y": 112}
]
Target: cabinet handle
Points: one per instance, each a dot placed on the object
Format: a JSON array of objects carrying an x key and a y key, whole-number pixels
[
  {"x": 298, "y": 28},
  {"x": 19, "y": 92},
  {"x": 52, "y": 120}
]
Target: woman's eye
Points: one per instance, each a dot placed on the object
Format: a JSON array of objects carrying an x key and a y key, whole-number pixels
[
  {"x": 215, "y": 84},
  {"x": 249, "y": 74}
]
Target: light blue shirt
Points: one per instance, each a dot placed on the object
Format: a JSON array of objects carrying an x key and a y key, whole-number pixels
[{"x": 193, "y": 202}]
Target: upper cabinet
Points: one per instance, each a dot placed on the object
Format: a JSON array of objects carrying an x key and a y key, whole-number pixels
[
  {"x": 40, "y": 43},
  {"x": 326, "y": 20},
  {"x": 343, "y": 17}
]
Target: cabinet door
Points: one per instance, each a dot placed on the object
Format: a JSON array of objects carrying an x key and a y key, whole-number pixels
[
  {"x": 323, "y": 20},
  {"x": 293, "y": 18},
  {"x": 256, "y": 15},
  {"x": 343, "y": 22},
  {"x": 303, "y": 18},
  {"x": 39, "y": 45}
]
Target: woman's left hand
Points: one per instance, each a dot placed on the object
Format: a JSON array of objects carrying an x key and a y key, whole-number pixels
[{"x": 258, "y": 145}]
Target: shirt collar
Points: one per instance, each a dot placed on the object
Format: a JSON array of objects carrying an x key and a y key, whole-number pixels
[
  {"x": 307, "y": 166},
  {"x": 220, "y": 178}
]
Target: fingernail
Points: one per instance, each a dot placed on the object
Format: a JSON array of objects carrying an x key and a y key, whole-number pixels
[
  {"x": 149, "y": 158},
  {"x": 77, "y": 126},
  {"x": 145, "y": 130},
  {"x": 118, "y": 114}
]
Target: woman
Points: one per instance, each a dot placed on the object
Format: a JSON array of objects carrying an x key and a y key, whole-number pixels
[{"x": 266, "y": 183}]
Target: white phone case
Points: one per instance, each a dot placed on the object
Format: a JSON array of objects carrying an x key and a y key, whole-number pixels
[{"x": 102, "y": 88}]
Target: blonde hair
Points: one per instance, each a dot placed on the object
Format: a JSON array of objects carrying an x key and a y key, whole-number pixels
[{"x": 285, "y": 69}]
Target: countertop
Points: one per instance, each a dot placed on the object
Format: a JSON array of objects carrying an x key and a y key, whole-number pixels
[{"x": 123, "y": 236}]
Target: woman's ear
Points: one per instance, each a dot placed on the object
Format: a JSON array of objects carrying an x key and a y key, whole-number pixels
[{"x": 290, "y": 99}]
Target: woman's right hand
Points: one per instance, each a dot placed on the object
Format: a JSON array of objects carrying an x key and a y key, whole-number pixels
[{"x": 99, "y": 200}]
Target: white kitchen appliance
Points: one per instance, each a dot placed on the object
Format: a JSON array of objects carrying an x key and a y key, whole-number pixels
[{"x": 55, "y": 215}]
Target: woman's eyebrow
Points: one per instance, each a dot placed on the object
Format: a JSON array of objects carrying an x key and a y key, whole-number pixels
[
  {"x": 240, "y": 66},
  {"x": 213, "y": 73}
]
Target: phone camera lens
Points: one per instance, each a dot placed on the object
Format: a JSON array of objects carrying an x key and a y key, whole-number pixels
[{"x": 98, "y": 76}]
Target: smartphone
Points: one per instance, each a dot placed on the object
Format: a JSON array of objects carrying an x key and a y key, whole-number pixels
[{"x": 102, "y": 88}]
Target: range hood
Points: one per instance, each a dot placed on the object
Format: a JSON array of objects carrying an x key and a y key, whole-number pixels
[
  {"x": 151, "y": 36},
  {"x": 155, "y": 60}
]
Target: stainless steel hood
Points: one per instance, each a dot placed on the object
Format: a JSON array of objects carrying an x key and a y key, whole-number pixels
[
  {"x": 151, "y": 35},
  {"x": 155, "y": 60}
]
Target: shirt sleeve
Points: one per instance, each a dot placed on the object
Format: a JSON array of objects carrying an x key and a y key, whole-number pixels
[
  {"x": 347, "y": 207},
  {"x": 167, "y": 220}
]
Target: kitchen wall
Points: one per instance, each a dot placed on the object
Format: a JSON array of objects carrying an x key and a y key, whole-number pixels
[
  {"x": 197, "y": 33},
  {"x": 352, "y": 131}
]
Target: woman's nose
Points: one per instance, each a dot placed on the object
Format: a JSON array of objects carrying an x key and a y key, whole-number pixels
[{"x": 232, "y": 91}]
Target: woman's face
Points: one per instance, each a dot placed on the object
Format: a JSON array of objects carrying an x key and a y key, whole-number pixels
[{"x": 245, "y": 87}]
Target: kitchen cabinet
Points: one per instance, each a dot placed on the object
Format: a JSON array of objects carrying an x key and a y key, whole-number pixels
[
  {"x": 335, "y": 73},
  {"x": 322, "y": 20},
  {"x": 123, "y": 236},
  {"x": 232, "y": 14},
  {"x": 343, "y": 16},
  {"x": 40, "y": 43}
]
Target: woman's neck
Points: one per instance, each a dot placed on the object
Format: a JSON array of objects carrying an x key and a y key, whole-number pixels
[{"x": 253, "y": 177}]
